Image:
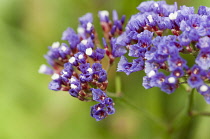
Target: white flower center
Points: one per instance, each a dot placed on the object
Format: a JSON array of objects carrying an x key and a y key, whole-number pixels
[
  {"x": 84, "y": 42},
  {"x": 55, "y": 76},
  {"x": 55, "y": 45},
  {"x": 156, "y": 5},
  {"x": 65, "y": 73},
  {"x": 89, "y": 26},
  {"x": 89, "y": 51},
  {"x": 203, "y": 88},
  {"x": 72, "y": 80},
  {"x": 104, "y": 13},
  {"x": 42, "y": 68},
  {"x": 72, "y": 60},
  {"x": 81, "y": 56},
  {"x": 90, "y": 70},
  {"x": 63, "y": 48},
  {"x": 73, "y": 86},
  {"x": 80, "y": 30},
  {"x": 151, "y": 73},
  {"x": 149, "y": 17},
  {"x": 171, "y": 80},
  {"x": 173, "y": 16}
]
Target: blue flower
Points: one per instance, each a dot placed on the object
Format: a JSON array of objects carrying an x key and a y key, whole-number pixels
[
  {"x": 176, "y": 62},
  {"x": 71, "y": 37},
  {"x": 128, "y": 67},
  {"x": 203, "y": 58},
  {"x": 99, "y": 111},
  {"x": 55, "y": 85},
  {"x": 99, "y": 95},
  {"x": 104, "y": 108},
  {"x": 45, "y": 69},
  {"x": 104, "y": 16},
  {"x": 85, "y": 19},
  {"x": 194, "y": 81},
  {"x": 158, "y": 79}
]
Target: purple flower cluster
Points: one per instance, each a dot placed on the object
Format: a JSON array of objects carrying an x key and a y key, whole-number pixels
[
  {"x": 104, "y": 108},
  {"x": 77, "y": 63},
  {"x": 159, "y": 38}
]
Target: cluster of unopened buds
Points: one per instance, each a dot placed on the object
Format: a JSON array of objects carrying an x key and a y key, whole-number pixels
[{"x": 158, "y": 39}]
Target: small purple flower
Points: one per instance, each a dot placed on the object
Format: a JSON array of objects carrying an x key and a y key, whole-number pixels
[
  {"x": 98, "y": 54},
  {"x": 176, "y": 62},
  {"x": 75, "y": 86},
  {"x": 99, "y": 95},
  {"x": 68, "y": 67},
  {"x": 196, "y": 70},
  {"x": 104, "y": 108},
  {"x": 184, "y": 39},
  {"x": 203, "y": 43},
  {"x": 118, "y": 45},
  {"x": 81, "y": 58},
  {"x": 85, "y": 44},
  {"x": 203, "y": 89},
  {"x": 73, "y": 61},
  {"x": 96, "y": 67},
  {"x": 203, "y": 58},
  {"x": 178, "y": 72},
  {"x": 159, "y": 7},
  {"x": 110, "y": 109},
  {"x": 146, "y": 82},
  {"x": 186, "y": 11},
  {"x": 102, "y": 75},
  {"x": 85, "y": 19},
  {"x": 54, "y": 85},
  {"x": 203, "y": 10},
  {"x": 136, "y": 51},
  {"x": 66, "y": 74},
  {"x": 71, "y": 37},
  {"x": 99, "y": 111},
  {"x": 168, "y": 88},
  {"x": 124, "y": 65},
  {"x": 64, "y": 50},
  {"x": 44, "y": 69},
  {"x": 145, "y": 38},
  {"x": 104, "y": 16},
  {"x": 84, "y": 67},
  {"x": 158, "y": 79},
  {"x": 85, "y": 77},
  {"x": 194, "y": 81}
]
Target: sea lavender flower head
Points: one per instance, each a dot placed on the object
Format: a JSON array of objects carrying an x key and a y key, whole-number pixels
[
  {"x": 147, "y": 40},
  {"x": 76, "y": 64}
]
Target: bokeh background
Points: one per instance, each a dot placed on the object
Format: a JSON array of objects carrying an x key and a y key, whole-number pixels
[{"x": 28, "y": 110}]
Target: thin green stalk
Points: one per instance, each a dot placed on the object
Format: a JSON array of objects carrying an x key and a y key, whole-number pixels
[
  {"x": 191, "y": 101},
  {"x": 192, "y": 112},
  {"x": 123, "y": 99},
  {"x": 143, "y": 112},
  {"x": 118, "y": 85}
]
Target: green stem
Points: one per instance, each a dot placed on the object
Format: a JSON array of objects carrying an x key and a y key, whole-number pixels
[
  {"x": 200, "y": 113},
  {"x": 123, "y": 99},
  {"x": 118, "y": 85},
  {"x": 143, "y": 112},
  {"x": 192, "y": 112},
  {"x": 191, "y": 101}
]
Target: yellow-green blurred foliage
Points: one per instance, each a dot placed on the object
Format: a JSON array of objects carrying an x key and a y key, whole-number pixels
[{"x": 28, "y": 110}]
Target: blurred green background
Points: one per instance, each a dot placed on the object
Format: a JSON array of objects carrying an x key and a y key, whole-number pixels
[{"x": 28, "y": 110}]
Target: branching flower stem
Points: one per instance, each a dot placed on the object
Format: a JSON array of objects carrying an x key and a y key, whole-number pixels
[{"x": 192, "y": 112}]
